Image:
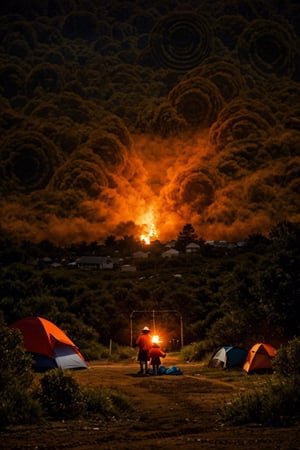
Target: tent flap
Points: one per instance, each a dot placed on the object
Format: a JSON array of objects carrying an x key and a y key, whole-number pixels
[
  {"x": 66, "y": 357},
  {"x": 228, "y": 357}
]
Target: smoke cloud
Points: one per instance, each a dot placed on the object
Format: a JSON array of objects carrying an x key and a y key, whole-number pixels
[{"x": 136, "y": 116}]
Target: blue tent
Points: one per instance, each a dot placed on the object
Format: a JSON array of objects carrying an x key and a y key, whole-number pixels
[{"x": 227, "y": 357}]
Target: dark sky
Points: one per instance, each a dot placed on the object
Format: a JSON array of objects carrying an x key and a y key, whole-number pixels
[{"x": 116, "y": 115}]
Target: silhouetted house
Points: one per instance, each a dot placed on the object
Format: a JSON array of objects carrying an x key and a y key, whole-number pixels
[
  {"x": 192, "y": 247},
  {"x": 47, "y": 260},
  {"x": 212, "y": 243},
  {"x": 140, "y": 255},
  {"x": 170, "y": 244},
  {"x": 221, "y": 244},
  {"x": 241, "y": 244},
  {"x": 55, "y": 265},
  {"x": 128, "y": 268},
  {"x": 172, "y": 253},
  {"x": 94, "y": 262}
]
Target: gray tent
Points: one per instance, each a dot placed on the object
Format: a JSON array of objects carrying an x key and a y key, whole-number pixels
[{"x": 227, "y": 357}]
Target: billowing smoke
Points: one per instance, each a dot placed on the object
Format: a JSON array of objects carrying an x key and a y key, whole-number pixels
[{"x": 114, "y": 119}]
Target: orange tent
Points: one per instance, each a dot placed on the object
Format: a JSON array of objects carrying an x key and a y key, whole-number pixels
[
  {"x": 49, "y": 345},
  {"x": 259, "y": 358}
]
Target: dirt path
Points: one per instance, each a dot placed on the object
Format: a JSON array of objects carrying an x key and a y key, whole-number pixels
[{"x": 171, "y": 412}]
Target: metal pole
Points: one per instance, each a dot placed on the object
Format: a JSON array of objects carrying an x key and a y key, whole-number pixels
[
  {"x": 181, "y": 331},
  {"x": 153, "y": 320},
  {"x": 131, "y": 332}
]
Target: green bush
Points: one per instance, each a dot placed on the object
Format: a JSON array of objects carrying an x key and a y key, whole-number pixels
[
  {"x": 94, "y": 351},
  {"x": 277, "y": 403},
  {"x": 121, "y": 353},
  {"x": 196, "y": 351},
  {"x": 15, "y": 363},
  {"x": 286, "y": 362},
  {"x": 61, "y": 396},
  {"x": 17, "y": 405}
]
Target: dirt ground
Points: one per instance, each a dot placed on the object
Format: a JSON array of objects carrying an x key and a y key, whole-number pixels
[{"x": 171, "y": 412}]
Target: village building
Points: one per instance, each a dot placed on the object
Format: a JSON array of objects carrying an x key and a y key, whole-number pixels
[
  {"x": 94, "y": 262},
  {"x": 192, "y": 247},
  {"x": 140, "y": 255},
  {"x": 172, "y": 253},
  {"x": 128, "y": 268}
]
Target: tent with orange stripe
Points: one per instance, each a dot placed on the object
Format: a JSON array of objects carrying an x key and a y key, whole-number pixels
[{"x": 49, "y": 345}]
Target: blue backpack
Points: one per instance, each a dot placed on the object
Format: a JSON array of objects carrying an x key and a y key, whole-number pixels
[
  {"x": 162, "y": 370},
  {"x": 174, "y": 371}
]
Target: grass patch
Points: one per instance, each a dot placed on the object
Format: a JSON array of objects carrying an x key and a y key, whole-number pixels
[
  {"x": 105, "y": 403},
  {"x": 275, "y": 402}
]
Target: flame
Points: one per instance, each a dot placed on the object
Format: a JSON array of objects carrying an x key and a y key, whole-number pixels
[
  {"x": 148, "y": 237},
  {"x": 150, "y": 230}
]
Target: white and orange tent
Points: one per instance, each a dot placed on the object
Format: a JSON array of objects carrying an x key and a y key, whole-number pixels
[
  {"x": 49, "y": 345},
  {"x": 259, "y": 358}
]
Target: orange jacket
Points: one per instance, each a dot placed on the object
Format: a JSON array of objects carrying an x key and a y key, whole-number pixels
[{"x": 144, "y": 342}]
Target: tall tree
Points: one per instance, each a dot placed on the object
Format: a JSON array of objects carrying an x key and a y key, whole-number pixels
[{"x": 186, "y": 236}]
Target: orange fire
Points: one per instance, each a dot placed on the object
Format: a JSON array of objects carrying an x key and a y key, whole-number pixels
[
  {"x": 150, "y": 232},
  {"x": 148, "y": 237}
]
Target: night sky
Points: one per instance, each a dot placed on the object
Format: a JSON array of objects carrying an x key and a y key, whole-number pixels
[{"x": 116, "y": 115}]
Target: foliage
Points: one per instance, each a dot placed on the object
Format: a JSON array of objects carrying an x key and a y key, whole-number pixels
[
  {"x": 286, "y": 362},
  {"x": 277, "y": 403},
  {"x": 196, "y": 351},
  {"x": 186, "y": 236},
  {"x": 61, "y": 395},
  {"x": 63, "y": 398},
  {"x": 105, "y": 402},
  {"x": 17, "y": 404}
]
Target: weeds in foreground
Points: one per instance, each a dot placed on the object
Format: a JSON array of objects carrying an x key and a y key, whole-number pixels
[
  {"x": 105, "y": 402},
  {"x": 276, "y": 403},
  {"x": 63, "y": 398}
]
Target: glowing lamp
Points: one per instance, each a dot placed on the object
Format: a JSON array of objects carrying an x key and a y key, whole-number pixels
[{"x": 155, "y": 339}]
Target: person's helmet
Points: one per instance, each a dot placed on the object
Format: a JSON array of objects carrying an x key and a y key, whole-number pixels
[{"x": 146, "y": 329}]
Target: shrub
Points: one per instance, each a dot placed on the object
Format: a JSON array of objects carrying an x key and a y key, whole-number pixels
[
  {"x": 17, "y": 404},
  {"x": 276, "y": 404},
  {"x": 61, "y": 396},
  {"x": 286, "y": 362},
  {"x": 121, "y": 353},
  {"x": 196, "y": 351}
]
